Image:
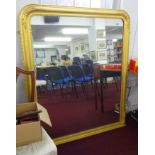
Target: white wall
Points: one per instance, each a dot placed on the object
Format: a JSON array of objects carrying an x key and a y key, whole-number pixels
[
  {"x": 131, "y": 6},
  {"x": 113, "y": 36},
  {"x": 92, "y": 38},
  {"x": 48, "y": 53},
  {"x": 77, "y": 43},
  {"x": 61, "y": 50}
]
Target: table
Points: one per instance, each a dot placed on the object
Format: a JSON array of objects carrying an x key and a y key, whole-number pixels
[
  {"x": 44, "y": 147},
  {"x": 41, "y": 82},
  {"x": 45, "y": 66},
  {"x": 132, "y": 88},
  {"x": 105, "y": 73}
]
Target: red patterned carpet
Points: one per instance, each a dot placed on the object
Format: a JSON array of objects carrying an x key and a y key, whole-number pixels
[
  {"x": 70, "y": 114},
  {"x": 122, "y": 141}
]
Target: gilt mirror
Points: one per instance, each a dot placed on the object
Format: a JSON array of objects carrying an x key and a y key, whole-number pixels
[{"x": 80, "y": 59}]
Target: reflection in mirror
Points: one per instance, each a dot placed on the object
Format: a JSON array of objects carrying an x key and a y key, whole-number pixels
[{"x": 78, "y": 68}]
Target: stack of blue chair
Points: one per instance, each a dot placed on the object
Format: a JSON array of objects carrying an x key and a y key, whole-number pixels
[
  {"x": 41, "y": 74},
  {"x": 76, "y": 61},
  {"x": 88, "y": 70},
  {"x": 66, "y": 74},
  {"x": 78, "y": 76},
  {"x": 56, "y": 77}
]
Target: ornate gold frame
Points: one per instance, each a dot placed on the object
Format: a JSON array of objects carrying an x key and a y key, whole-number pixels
[{"x": 28, "y": 61}]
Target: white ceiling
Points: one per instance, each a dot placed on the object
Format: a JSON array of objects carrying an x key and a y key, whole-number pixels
[
  {"x": 40, "y": 29},
  {"x": 39, "y": 32}
]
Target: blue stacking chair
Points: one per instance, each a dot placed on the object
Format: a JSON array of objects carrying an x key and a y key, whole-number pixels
[
  {"x": 90, "y": 62},
  {"x": 77, "y": 74},
  {"x": 67, "y": 77},
  {"x": 77, "y": 60},
  {"x": 78, "y": 77},
  {"x": 76, "y": 63},
  {"x": 41, "y": 74},
  {"x": 88, "y": 70},
  {"x": 66, "y": 74},
  {"x": 55, "y": 76}
]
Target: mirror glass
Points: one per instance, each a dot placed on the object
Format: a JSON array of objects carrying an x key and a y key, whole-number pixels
[{"x": 78, "y": 70}]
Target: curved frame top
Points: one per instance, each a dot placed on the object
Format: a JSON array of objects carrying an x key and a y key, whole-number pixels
[{"x": 28, "y": 61}]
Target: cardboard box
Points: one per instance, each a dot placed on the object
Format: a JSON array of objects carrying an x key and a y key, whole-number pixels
[{"x": 31, "y": 131}]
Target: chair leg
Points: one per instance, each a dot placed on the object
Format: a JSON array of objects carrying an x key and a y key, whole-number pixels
[
  {"x": 38, "y": 90},
  {"x": 61, "y": 89},
  {"x": 95, "y": 93},
  {"x": 45, "y": 89},
  {"x": 72, "y": 86},
  {"x": 66, "y": 91},
  {"x": 106, "y": 82},
  {"x": 53, "y": 88},
  {"x": 102, "y": 97},
  {"x": 115, "y": 82},
  {"x": 91, "y": 83},
  {"x": 87, "y": 87},
  {"x": 97, "y": 87},
  {"x": 83, "y": 89},
  {"x": 74, "y": 89}
]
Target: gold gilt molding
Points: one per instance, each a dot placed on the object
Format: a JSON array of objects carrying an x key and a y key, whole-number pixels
[{"x": 28, "y": 60}]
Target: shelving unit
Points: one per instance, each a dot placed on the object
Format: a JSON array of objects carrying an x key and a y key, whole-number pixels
[
  {"x": 110, "y": 55},
  {"x": 118, "y": 50},
  {"x": 114, "y": 51}
]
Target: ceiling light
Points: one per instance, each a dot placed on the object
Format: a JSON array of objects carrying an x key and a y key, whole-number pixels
[
  {"x": 42, "y": 46},
  {"x": 57, "y": 39},
  {"x": 114, "y": 40},
  {"x": 75, "y": 31},
  {"x": 101, "y": 39}
]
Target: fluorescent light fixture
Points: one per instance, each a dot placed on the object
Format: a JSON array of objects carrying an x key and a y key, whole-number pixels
[
  {"x": 42, "y": 46},
  {"x": 114, "y": 40},
  {"x": 75, "y": 31},
  {"x": 57, "y": 39},
  {"x": 101, "y": 39}
]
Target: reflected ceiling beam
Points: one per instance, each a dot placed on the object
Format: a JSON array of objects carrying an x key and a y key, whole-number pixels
[
  {"x": 57, "y": 39},
  {"x": 75, "y": 31},
  {"x": 48, "y": 44}
]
